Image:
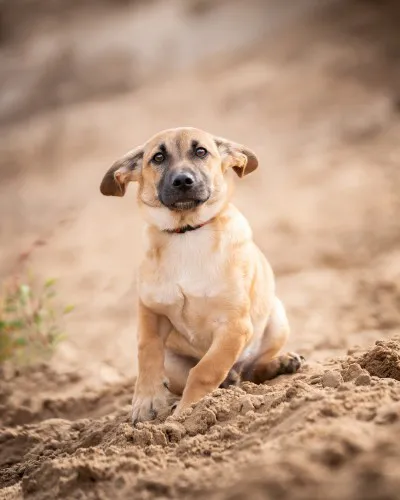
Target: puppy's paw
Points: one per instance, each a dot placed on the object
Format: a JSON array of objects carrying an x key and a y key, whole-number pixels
[
  {"x": 290, "y": 362},
  {"x": 146, "y": 407},
  {"x": 285, "y": 364}
]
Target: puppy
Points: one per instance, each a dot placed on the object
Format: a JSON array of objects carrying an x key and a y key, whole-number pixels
[{"x": 208, "y": 313}]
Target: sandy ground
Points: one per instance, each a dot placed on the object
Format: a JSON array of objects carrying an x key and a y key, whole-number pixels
[{"x": 319, "y": 102}]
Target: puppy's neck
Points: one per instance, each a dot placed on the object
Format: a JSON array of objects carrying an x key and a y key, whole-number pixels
[
  {"x": 186, "y": 229},
  {"x": 228, "y": 223}
]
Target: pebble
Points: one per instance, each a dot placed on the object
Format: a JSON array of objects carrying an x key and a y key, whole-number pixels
[
  {"x": 331, "y": 379},
  {"x": 247, "y": 406},
  {"x": 352, "y": 372},
  {"x": 291, "y": 392},
  {"x": 363, "y": 379}
]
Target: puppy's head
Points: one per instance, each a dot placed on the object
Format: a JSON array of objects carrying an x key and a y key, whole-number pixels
[{"x": 180, "y": 172}]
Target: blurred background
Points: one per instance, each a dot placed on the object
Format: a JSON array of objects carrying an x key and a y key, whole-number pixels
[{"x": 312, "y": 86}]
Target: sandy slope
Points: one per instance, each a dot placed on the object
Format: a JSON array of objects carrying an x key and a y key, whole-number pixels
[{"x": 319, "y": 103}]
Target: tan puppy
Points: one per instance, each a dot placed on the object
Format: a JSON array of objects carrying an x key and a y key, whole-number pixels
[{"x": 207, "y": 306}]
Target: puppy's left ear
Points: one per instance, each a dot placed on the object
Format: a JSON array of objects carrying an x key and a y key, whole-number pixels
[
  {"x": 233, "y": 155},
  {"x": 126, "y": 169}
]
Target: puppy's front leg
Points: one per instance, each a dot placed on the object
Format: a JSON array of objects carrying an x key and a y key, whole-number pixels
[
  {"x": 213, "y": 368},
  {"x": 150, "y": 393}
]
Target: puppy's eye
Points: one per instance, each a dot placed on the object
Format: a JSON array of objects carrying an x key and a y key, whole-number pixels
[
  {"x": 201, "y": 152},
  {"x": 158, "y": 158}
]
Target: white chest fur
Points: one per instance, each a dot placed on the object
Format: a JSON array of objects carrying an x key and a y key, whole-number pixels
[{"x": 187, "y": 267}]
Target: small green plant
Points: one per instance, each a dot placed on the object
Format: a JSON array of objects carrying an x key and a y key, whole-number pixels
[{"x": 30, "y": 323}]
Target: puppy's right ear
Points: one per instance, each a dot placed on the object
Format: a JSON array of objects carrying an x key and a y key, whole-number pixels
[{"x": 126, "y": 169}]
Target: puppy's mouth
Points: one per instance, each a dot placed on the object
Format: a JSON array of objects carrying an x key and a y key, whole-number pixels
[{"x": 185, "y": 204}]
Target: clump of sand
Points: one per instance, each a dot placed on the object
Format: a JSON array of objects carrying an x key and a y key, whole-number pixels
[{"x": 383, "y": 360}]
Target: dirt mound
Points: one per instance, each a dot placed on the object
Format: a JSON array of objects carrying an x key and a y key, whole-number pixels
[
  {"x": 242, "y": 440},
  {"x": 383, "y": 360}
]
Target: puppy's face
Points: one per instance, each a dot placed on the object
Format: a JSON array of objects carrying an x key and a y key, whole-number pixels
[{"x": 179, "y": 171}]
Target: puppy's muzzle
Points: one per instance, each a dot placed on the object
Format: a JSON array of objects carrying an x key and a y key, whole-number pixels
[{"x": 183, "y": 190}]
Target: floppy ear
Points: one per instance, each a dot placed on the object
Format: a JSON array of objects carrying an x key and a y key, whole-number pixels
[
  {"x": 241, "y": 159},
  {"x": 124, "y": 170}
]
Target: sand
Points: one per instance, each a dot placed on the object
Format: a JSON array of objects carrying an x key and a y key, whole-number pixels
[
  {"x": 323, "y": 433},
  {"x": 319, "y": 102}
]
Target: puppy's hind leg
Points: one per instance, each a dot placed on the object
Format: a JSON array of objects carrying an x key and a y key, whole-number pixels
[
  {"x": 177, "y": 368},
  {"x": 269, "y": 364}
]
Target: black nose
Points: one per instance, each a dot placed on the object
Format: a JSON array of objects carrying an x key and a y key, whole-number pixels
[{"x": 183, "y": 181}]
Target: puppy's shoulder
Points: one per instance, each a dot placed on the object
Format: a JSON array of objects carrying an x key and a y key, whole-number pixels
[{"x": 234, "y": 225}]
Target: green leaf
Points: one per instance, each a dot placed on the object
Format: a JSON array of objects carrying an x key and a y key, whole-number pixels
[
  {"x": 16, "y": 323},
  {"x": 20, "y": 341},
  {"x": 25, "y": 290},
  {"x": 24, "y": 294},
  {"x": 50, "y": 282},
  {"x": 37, "y": 318},
  {"x": 58, "y": 337},
  {"x": 68, "y": 309}
]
